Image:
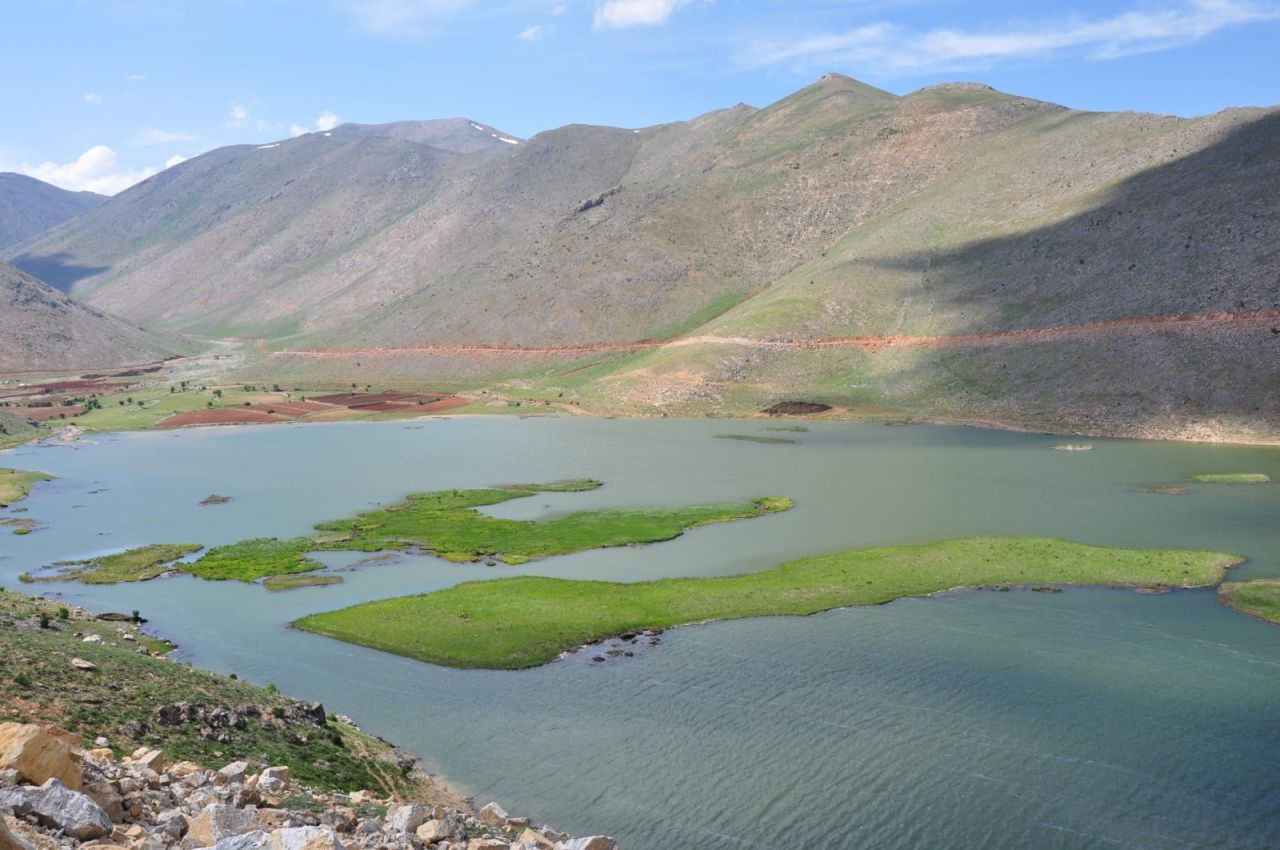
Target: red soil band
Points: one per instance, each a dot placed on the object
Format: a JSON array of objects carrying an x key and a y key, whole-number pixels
[
  {"x": 40, "y": 414},
  {"x": 1189, "y": 322},
  {"x": 363, "y": 400},
  {"x": 219, "y": 416},
  {"x": 291, "y": 408}
]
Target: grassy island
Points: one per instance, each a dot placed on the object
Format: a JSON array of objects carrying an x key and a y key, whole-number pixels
[
  {"x": 16, "y": 484},
  {"x": 1258, "y": 598},
  {"x": 447, "y": 523},
  {"x": 1233, "y": 478},
  {"x": 526, "y": 621},
  {"x": 139, "y": 564}
]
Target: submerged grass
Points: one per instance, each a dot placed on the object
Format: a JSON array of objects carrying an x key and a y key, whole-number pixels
[
  {"x": 16, "y": 484},
  {"x": 139, "y": 564},
  {"x": 1233, "y": 478},
  {"x": 1257, "y": 598},
  {"x": 525, "y": 621},
  {"x": 755, "y": 438},
  {"x": 296, "y": 581}
]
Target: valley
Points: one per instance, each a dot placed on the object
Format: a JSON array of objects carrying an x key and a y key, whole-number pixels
[{"x": 860, "y": 468}]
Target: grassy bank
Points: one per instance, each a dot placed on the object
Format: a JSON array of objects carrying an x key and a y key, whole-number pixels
[
  {"x": 1258, "y": 598},
  {"x": 525, "y": 621},
  {"x": 119, "y": 700},
  {"x": 16, "y": 484}
]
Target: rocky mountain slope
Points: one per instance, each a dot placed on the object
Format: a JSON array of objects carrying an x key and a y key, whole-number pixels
[
  {"x": 29, "y": 207},
  {"x": 841, "y": 211},
  {"x": 43, "y": 329}
]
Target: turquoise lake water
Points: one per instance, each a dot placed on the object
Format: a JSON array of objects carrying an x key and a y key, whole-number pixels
[{"x": 1082, "y": 719}]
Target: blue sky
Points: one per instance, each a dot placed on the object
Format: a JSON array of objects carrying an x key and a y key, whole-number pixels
[{"x": 101, "y": 93}]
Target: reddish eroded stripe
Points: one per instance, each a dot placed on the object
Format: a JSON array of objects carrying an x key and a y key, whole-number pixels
[{"x": 1195, "y": 321}]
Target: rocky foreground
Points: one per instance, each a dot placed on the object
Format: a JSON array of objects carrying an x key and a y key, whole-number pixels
[{"x": 53, "y": 796}]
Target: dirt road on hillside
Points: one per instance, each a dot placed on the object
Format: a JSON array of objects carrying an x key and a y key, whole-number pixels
[{"x": 1202, "y": 322}]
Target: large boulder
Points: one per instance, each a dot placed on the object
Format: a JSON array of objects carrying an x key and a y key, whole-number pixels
[
  {"x": 217, "y": 821},
  {"x": 39, "y": 753},
  {"x": 231, "y": 773},
  {"x": 407, "y": 818},
  {"x": 493, "y": 815},
  {"x": 434, "y": 830},
  {"x": 533, "y": 838},
  {"x": 306, "y": 838},
  {"x": 591, "y": 842},
  {"x": 54, "y": 805},
  {"x": 256, "y": 840}
]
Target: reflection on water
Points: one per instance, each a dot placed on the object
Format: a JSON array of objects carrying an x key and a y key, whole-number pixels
[{"x": 1050, "y": 720}]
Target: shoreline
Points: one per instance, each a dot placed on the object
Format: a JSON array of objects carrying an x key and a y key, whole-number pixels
[{"x": 71, "y": 434}]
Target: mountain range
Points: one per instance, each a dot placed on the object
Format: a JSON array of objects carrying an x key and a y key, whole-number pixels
[
  {"x": 956, "y": 252},
  {"x": 29, "y": 207}
]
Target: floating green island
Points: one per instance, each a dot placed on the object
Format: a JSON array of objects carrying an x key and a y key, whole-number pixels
[
  {"x": 1233, "y": 478},
  {"x": 447, "y": 523},
  {"x": 527, "y": 620},
  {"x": 16, "y": 484},
  {"x": 145, "y": 562}
]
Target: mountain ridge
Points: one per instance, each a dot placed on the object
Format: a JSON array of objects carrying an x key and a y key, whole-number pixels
[
  {"x": 29, "y": 207},
  {"x": 42, "y": 329},
  {"x": 838, "y": 211}
]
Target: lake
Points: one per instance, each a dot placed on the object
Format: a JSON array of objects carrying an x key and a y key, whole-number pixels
[{"x": 1087, "y": 718}]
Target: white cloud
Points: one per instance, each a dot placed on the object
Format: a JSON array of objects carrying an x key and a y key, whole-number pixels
[
  {"x": 535, "y": 32},
  {"x": 95, "y": 170},
  {"x": 136, "y": 78},
  {"x": 327, "y": 121},
  {"x": 176, "y": 159},
  {"x": 559, "y": 9},
  {"x": 154, "y": 136},
  {"x": 93, "y": 98},
  {"x": 619, "y": 14},
  {"x": 298, "y": 130},
  {"x": 885, "y": 49},
  {"x": 403, "y": 18},
  {"x": 238, "y": 115}
]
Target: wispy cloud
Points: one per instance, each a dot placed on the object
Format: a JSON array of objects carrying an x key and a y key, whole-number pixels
[
  {"x": 887, "y": 49},
  {"x": 402, "y": 18},
  {"x": 621, "y": 14},
  {"x": 536, "y": 32},
  {"x": 93, "y": 98},
  {"x": 96, "y": 170},
  {"x": 237, "y": 115},
  {"x": 176, "y": 159},
  {"x": 153, "y": 136}
]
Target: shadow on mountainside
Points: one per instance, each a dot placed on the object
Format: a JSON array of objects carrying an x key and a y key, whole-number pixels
[
  {"x": 55, "y": 269},
  {"x": 1198, "y": 234}
]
